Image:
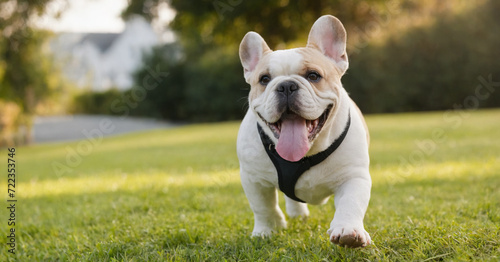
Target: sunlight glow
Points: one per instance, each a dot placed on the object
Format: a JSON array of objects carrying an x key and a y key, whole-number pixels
[{"x": 101, "y": 183}]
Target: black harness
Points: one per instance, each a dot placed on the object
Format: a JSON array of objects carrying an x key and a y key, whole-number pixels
[{"x": 289, "y": 172}]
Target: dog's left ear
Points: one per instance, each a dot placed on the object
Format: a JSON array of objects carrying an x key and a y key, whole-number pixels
[{"x": 328, "y": 35}]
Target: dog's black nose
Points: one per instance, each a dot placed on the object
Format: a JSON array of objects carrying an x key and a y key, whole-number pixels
[{"x": 288, "y": 87}]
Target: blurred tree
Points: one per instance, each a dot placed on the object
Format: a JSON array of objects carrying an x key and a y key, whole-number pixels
[
  {"x": 437, "y": 66},
  {"x": 27, "y": 75},
  {"x": 167, "y": 98},
  {"x": 207, "y": 83},
  {"x": 405, "y": 55},
  {"x": 224, "y": 22}
]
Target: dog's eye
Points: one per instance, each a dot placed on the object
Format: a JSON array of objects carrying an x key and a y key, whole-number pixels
[
  {"x": 264, "y": 80},
  {"x": 313, "y": 77}
]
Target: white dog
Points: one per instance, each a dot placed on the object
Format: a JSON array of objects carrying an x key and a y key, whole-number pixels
[{"x": 303, "y": 134}]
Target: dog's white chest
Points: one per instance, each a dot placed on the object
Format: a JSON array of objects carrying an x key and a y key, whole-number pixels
[{"x": 314, "y": 185}]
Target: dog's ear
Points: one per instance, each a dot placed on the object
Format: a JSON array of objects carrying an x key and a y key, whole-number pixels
[
  {"x": 252, "y": 48},
  {"x": 328, "y": 35}
]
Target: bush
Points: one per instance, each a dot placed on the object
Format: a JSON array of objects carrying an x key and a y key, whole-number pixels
[
  {"x": 13, "y": 126},
  {"x": 209, "y": 89},
  {"x": 430, "y": 68},
  {"x": 89, "y": 102}
]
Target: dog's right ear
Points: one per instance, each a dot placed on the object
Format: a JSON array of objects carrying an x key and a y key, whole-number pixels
[{"x": 252, "y": 48}]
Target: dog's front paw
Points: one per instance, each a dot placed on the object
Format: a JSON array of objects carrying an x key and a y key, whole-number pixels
[
  {"x": 262, "y": 232},
  {"x": 351, "y": 237},
  {"x": 267, "y": 228}
]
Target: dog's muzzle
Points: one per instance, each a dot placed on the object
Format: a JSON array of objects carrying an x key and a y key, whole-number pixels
[{"x": 287, "y": 97}]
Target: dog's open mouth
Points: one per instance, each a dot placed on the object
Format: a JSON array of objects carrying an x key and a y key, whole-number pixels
[
  {"x": 313, "y": 126},
  {"x": 295, "y": 134}
]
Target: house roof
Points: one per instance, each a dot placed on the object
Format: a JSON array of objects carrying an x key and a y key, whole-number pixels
[{"x": 102, "y": 40}]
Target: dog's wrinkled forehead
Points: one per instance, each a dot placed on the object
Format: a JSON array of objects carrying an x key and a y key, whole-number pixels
[
  {"x": 284, "y": 62},
  {"x": 297, "y": 61}
]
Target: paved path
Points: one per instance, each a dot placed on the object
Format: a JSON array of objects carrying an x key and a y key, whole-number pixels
[{"x": 72, "y": 127}]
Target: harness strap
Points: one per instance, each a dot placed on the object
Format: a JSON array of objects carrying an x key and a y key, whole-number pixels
[{"x": 290, "y": 172}]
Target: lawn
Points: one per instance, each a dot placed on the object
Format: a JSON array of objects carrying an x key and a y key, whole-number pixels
[{"x": 175, "y": 195}]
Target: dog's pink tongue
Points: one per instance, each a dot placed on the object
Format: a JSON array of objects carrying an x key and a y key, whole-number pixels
[{"x": 293, "y": 143}]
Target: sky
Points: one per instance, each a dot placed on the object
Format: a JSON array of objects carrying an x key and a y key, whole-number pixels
[
  {"x": 91, "y": 16},
  {"x": 84, "y": 16}
]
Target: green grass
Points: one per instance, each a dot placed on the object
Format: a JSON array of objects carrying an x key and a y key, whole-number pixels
[{"x": 175, "y": 195}]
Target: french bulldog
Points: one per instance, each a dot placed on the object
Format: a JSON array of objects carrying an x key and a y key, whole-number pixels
[{"x": 303, "y": 134}]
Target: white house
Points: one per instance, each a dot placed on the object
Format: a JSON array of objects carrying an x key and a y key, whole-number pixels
[{"x": 105, "y": 60}]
